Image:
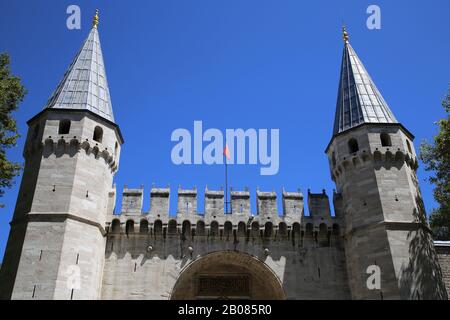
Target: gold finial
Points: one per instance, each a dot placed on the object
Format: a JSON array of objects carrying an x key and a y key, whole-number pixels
[
  {"x": 345, "y": 35},
  {"x": 96, "y": 19}
]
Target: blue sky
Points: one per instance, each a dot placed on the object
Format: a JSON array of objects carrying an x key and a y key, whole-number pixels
[{"x": 232, "y": 64}]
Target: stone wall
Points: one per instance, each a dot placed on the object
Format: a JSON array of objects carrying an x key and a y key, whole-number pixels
[
  {"x": 147, "y": 266},
  {"x": 147, "y": 252},
  {"x": 443, "y": 253}
]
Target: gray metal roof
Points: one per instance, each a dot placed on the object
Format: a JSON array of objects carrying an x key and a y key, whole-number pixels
[
  {"x": 359, "y": 100},
  {"x": 84, "y": 85}
]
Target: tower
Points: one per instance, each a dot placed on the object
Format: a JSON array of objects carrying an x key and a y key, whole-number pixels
[
  {"x": 373, "y": 163},
  {"x": 56, "y": 245}
]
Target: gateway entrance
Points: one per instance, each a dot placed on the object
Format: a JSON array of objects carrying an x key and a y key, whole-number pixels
[{"x": 228, "y": 275}]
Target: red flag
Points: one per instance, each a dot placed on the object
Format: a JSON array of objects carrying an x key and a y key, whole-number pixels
[{"x": 226, "y": 152}]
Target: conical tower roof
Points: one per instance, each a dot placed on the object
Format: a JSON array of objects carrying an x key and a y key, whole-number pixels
[
  {"x": 84, "y": 85},
  {"x": 359, "y": 100}
]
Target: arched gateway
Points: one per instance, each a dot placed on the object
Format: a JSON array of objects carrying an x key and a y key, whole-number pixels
[{"x": 228, "y": 275}]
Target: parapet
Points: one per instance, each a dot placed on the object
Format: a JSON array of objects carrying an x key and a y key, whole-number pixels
[
  {"x": 293, "y": 203},
  {"x": 319, "y": 204},
  {"x": 187, "y": 201},
  {"x": 266, "y": 203},
  {"x": 291, "y": 216},
  {"x": 240, "y": 203},
  {"x": 214, "y": 203},
  {"x": 160, "y": 202},
  {"x": 132, "y": 200},
  {"x": 267, "y": 224}
]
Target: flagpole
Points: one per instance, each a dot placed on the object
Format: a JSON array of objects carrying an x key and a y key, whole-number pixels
[
  {"x": 226, "y": 154},
  {"x": 226, "y": 186}
]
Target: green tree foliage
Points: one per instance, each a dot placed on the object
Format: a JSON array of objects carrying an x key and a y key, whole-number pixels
[
  {"x": 436, "y": 158},
  {"x": 11, "y": 94}
]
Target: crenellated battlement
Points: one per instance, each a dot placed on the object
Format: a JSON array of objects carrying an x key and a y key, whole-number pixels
[
  {"x": 381, "y": 157},
  {"x": 71, "y": 145},
  {"x": 267, "y": 220}
]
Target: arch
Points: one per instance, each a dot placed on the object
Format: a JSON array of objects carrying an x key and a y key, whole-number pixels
[
  {"x": 157, "y": 227},
  {"x": 336, "y": 229},
  {"x": 143, "y": 226},
  {"x": 242, "y": 229},
  {"x": 268, "y": 229},
  {"x": 377, "y": 156},
  {"x": 98, "y": 134},
  {"x": 389, "y": 156},
  {"x": 282, "y": 230},
  {"x": 116, "y": 148},
  {"x": 74, "y": 144},
  {"x": 49, "y": 145},
  {"x": 172, "y": 227},
  {"x": 105, "y": 155},
  {"x": 228, "y": 229},
  {"x": 309, "y": 230},
  {"x": 214, "y": 232},
  {"x": 85, "y": 145},
  {"x": 255, "y": 229},
  {"x": 353, "y": 145},
  {"x": 323, "y": 237},
  {"x": 333, "y": 158},
  {"x": 115, "y": 226},
  {"x": 257, "y": 280},
  {"x": 399, "y": 157},
  {"x": 200, "y": 230},
  {"x": 296, "y": 229},
  {"x": 129, "y": 226},
  {"x": 365, "y": 157},
  {"x": 64, "y": 126},
  {"x": 323, "y": 230},
  {"x": 61, "y": 144},
  {"x": 385, "y": 140},
  {"x": 186, "y": 229}
]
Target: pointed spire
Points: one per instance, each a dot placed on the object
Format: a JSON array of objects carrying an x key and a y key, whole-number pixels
[
  {"x": 84, "y": 85},
  {"x": 345, "y": 35},
  {"x": 96, "y": 19},
  {"x": 359, "y": 100}
]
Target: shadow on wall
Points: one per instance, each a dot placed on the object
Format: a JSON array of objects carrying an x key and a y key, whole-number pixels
[{"x": 422, "y": 277}]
